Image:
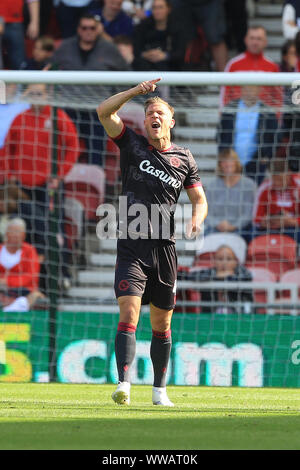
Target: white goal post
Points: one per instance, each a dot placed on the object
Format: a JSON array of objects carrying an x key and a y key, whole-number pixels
[{"x": 168, "y": 78}]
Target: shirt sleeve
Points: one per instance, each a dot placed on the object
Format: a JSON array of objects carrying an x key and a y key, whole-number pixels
[
  {"x": 122, "y": 140},
  {"x": 289, "y": 15},
  {"x": 192, "y": 179}
]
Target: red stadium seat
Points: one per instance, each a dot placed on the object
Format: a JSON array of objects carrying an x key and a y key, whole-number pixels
[
  {"x": 86, "y": 184},
  {"x": 204, "y": 259},
  {"x": 261, "y": 275},
  {"x": 292, "y": 277},
  {"x": 74, "y": 221},
  {"x": 277, "y": 253},
  {"x": 188, "y": 294}
]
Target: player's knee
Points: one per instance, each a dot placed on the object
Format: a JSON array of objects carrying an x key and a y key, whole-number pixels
[
  {"x": 129, "y": 312},
  {"x": 161, "y": 324}
]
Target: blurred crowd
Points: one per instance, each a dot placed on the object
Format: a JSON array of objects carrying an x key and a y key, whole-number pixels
[
  {"x": 256, "y": 188},
  {"x": 119, "y": 35}
]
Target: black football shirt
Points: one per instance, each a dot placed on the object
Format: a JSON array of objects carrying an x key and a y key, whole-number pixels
[{"x": 154, "y": 179}]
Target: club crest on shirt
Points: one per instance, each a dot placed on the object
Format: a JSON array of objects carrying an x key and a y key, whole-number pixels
[{"x": 175, "y": 162}]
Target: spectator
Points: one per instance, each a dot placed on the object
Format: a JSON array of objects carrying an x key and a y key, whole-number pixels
[
  {"x": 42, "y": 52},
  {"x": 89, "y": 50},
  {"x": 11, "y": 301},
  {"x": 288, "y": 56},
  {"x": 253, "y": 59},
  {"x": 29, "y": 144},
  {"x": 228, "y": 268},
  {"x": 137, "y": 9},
  {"x": 158, "y": 40},
  {"x": 113, "y": 18},
  {"x": 249, "y": 126},
  {"x": 230, "y": 196},
  {"x": 28, "y": 155},
  {"x": 16, "y": 203},
  {"x": 288, "y": 64},
  {"x": 13, "y": 37},
  {"x": 19, "y": 264},
  {"x": 291, "y": 19},
  {"x": 236, "y": 20},
  {"x": 68, "y": 13},
  {"x": 277, "y": 204},
  {"x": 210, "y": 16},
  {"x": 125, "y": 47},
  {"x": 288, "y": 136}
]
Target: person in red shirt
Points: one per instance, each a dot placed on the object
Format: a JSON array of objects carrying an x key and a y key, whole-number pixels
[
  {"x": 277, "y": 204},
  {"x": 19, "y": 263},
  {"x": 28, "y": 145},
  {"x": 13, "y": 37},
  {"x": 254, "y": 60},
  {"x": 28, "y": 156}
]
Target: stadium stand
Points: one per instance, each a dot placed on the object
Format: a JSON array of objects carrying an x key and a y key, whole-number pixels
[
  {"x": 233, "y": 325},
  {"x": 89, "y": 185}
]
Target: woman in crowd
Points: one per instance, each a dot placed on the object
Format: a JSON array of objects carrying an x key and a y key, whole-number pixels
[
  {"x": 230, "y": 197},
  {"x": 288, "y": 57},
  {"x": 159, "y": 41},
  {"x": 228, "y": 268}
]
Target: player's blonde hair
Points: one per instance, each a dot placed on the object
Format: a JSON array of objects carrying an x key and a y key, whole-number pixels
[{"x": 157, "y": 99}]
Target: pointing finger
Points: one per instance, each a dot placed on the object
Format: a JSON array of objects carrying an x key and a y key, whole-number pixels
[{"x": 155, "y": 80}]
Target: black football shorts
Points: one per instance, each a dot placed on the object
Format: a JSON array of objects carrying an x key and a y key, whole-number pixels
[{"x": 147, "y": 269}]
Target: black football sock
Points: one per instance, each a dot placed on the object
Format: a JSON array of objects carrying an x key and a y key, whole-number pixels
[
  {"x": 125, "y": 344},
  {"x": 160, "y": 354}
]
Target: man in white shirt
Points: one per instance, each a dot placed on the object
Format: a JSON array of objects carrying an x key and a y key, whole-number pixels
[
  {"x": 23, "y": 303},
  {"x": 291, "y": 19}
]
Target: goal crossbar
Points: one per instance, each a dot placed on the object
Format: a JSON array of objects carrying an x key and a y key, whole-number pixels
[{"x": 168, "y": 78}]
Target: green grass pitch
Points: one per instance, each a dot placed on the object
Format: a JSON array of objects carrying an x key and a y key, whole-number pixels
[{"x": 67, "y": 416}]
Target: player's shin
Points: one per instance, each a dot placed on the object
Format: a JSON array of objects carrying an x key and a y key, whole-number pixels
[
  {"x": 160, "y": 351},
  {"x": 125, "y": 346}
]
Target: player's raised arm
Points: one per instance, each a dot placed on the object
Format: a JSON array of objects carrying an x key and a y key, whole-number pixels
[{"x": 107, "y": 110}]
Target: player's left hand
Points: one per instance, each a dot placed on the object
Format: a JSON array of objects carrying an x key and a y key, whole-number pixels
[{"x": 193, "y": 229}]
